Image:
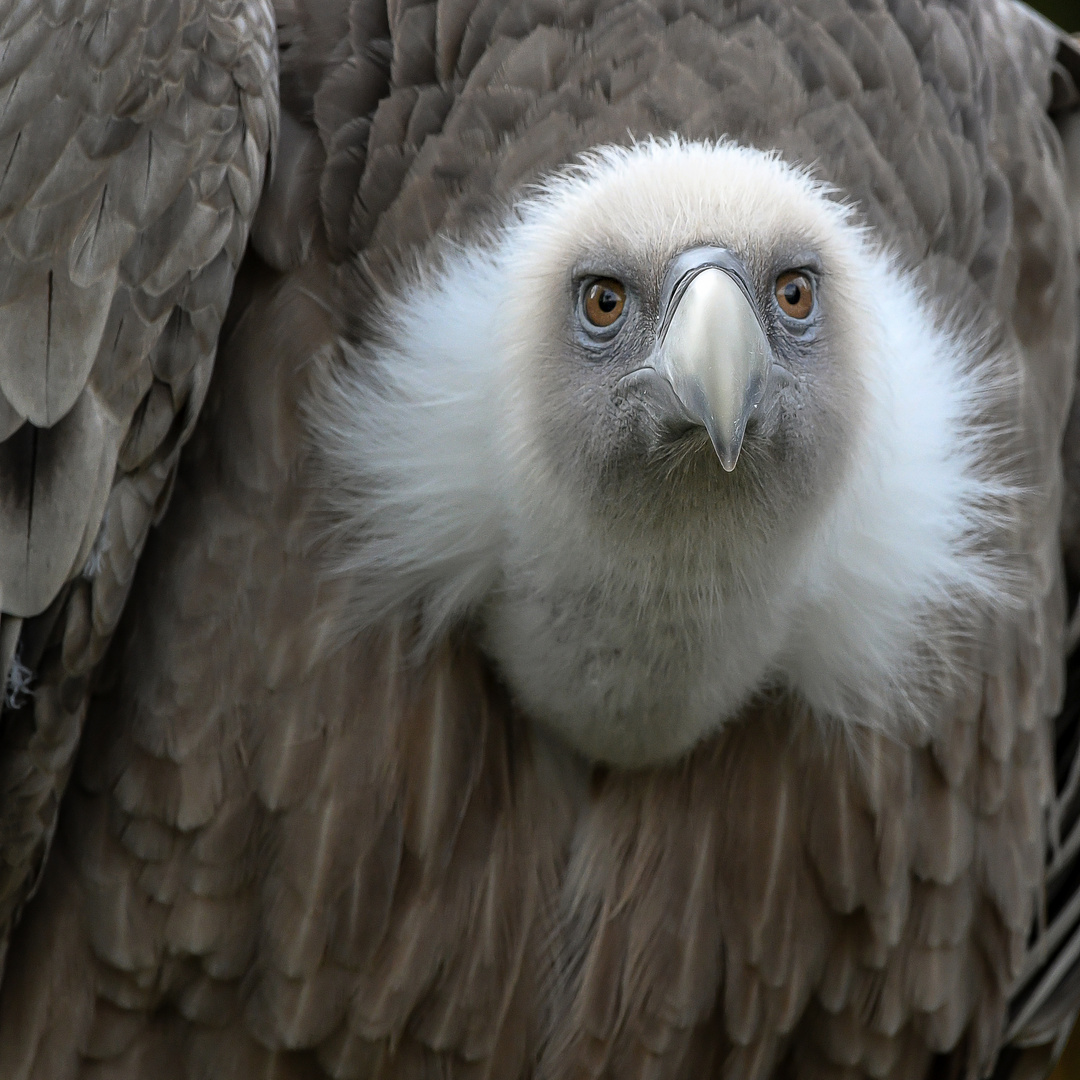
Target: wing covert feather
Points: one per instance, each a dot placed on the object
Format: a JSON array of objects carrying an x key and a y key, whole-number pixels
[{"x": 134, "y": 139}]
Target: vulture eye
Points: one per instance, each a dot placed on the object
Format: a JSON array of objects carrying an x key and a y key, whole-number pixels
[
  {"x": 795, "y": 294},
  {"x": 604, "y": 301}
]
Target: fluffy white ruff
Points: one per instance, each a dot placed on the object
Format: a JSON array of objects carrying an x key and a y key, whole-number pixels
[{"x": 445, "y": 509}]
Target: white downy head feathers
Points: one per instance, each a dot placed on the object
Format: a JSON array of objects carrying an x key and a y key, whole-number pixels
[{"x": 845, "y": 568}]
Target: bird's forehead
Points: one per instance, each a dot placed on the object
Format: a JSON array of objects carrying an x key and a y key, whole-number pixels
[{"x": 652, "y": 200}]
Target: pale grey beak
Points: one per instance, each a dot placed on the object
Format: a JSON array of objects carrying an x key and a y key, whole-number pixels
[{"x": 711, "y": 348}]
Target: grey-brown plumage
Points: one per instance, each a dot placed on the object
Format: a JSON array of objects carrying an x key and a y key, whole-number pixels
[
  {"x": 289, "y": 852},
  {"x": 134, "y": 139}
]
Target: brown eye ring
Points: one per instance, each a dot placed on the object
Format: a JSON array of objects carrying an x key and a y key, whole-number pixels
[
  {"x": 603, "y": 302},
  {"x": 795, "y": 294}
]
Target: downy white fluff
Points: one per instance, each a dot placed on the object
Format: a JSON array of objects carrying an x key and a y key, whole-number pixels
[{"x": 857, "y": 601}]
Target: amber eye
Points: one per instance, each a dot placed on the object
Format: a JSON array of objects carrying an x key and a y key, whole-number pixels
[
  {"x": 604, "y": 301},
  {"x": 795, "y": 294}
]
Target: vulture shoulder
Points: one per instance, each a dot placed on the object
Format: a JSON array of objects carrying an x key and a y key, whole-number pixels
[
  {"x": 288, "y": 850},
  {"x": 134, "y": 139}
]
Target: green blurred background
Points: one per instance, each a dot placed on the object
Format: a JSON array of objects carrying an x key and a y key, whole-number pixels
[{"x": 1065, "y": 13}]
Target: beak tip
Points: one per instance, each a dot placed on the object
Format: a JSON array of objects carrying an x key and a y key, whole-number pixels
[
  {"x": 728, "y": 448},
  {"x": 728, "y": 459}
]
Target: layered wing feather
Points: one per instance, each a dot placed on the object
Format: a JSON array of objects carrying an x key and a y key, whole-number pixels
[
  {"x": 134, "y": 139},
  {"x": 289, "y": 855},
  {"x": 1046, "y": 999}
]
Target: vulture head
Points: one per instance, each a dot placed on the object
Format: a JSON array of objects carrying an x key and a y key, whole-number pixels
[{"x": 676, "y": 433}]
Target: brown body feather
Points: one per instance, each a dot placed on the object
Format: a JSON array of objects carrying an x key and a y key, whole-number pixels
[{"x": 287, "y": 855}]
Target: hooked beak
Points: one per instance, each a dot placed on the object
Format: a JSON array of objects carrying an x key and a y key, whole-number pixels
[{"x": 711, "y": 348}]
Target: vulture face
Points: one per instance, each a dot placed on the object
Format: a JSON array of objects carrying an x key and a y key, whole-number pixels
[
  {"x": 687, "y": 346},
  {"x": 677, "y": 433}
]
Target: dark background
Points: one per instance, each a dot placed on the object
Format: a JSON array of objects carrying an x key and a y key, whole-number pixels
[{"x": 1065, "y": 13}]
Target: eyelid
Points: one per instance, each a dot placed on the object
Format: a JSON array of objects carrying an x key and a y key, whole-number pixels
[{"x": 804, "y": 260}]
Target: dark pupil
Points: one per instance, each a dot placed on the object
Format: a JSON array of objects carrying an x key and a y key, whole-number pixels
[
  {"x": 792, "y": 293},
  {"x": 608, "y": 301}
]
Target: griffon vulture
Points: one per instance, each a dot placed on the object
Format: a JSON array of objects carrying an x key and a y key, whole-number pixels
[{"x": 613, "y": 617}]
